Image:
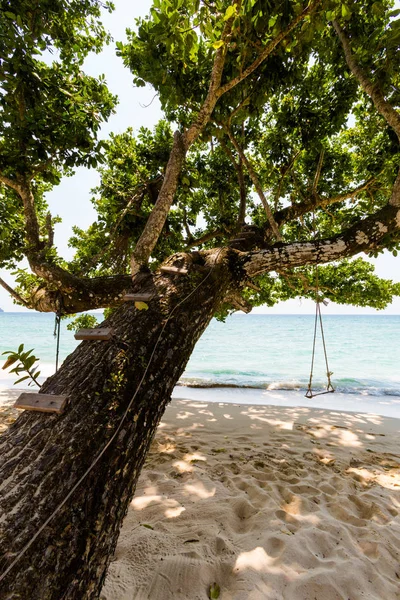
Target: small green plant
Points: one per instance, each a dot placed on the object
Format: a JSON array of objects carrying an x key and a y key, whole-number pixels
[
  {"x": 82, "y": 322},
  {"x": 214, "y": 591},
  {"x": 25, "y": 365}
]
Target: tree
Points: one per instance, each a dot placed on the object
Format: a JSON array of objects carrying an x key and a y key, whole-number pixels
[{"x": 296, "y": 101}]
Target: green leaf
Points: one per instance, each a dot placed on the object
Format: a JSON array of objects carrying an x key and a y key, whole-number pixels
[
  {"x": 230, "y": 12},
  {"x": 147, "y": 526},
  {"x": 141, "y": 305},
  {"x": 30, "y": 362},
  {"x": 10, "y": 361},
  {"x": 346, "y": 12},
  {"x": 218, "y": 44},
  {"x": 214, "y": 591},
  {"x": 22, "y": 379},
  {"x": 272, "y": 21}
]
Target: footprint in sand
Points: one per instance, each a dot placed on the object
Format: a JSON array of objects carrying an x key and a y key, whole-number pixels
[
  {"x": 274, "y": 547},
  {"x": 243, "y": 509},
  {"x": 344, "y": 514},
  {"x": 284, "y": 516},
  {"x": 220, "y": 545},
  {"x": 370, "y": 549}
]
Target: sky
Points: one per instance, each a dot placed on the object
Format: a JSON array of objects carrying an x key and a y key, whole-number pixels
[{"x": 138, "y": 107}]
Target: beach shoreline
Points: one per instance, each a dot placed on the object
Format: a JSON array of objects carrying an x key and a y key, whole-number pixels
[{"x": 269, "y": 502}]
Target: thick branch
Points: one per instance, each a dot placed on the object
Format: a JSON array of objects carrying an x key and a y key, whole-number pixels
[
  {"x": 364, "y": 236},
  {"x": 235, "y": 299},
  {"x": 395, "y": 196},
  {"x": 256, "y": 183},
  {"x": 10, "y": 183},
  {"x": 213, "y": 90},
  {"x": 89, "y": 294},
  {"x": 158, "y": 215},
  {"x": 387, "y": 111},
  {"x": 31, "y": 222},
  {"x": 50, "y": 231}
]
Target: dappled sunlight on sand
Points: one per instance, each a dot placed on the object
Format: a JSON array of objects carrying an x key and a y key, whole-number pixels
[
  {"x": 184, "y": 415},
  {"x": 182, "y": 466},
  {"x": 172, "y": 507},
  {"x": 270, "y": 502},
  {"x": 195, "y": 456},
  {"x": 200, "y": 490},
  {"x": 256, "y": 559}
]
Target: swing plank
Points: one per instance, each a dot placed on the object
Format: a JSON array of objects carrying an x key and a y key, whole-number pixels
[
  {"x": 49, "y": 403},
  {"x": 101, "y": 333},
  {"x": 247, "y": 233},
  {"x": 174, "y": 270},
  {"x": 137, "y": 297}
]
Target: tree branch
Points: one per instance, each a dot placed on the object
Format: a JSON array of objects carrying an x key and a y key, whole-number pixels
[
  {"x": 395, "y": 196},
  {"x": 97, "y": 292},
  {"x": 297, "y": 210},
  {"x": 182, "y": 143},
  {"x": 364, "y": 236},
  {"x": 268, "y": 49},
  {"x": 204, "y": 238},
  {"x": 285, "y": 172},
  {"x": 256, "y": 183},
  {"x": 10, "y": 183},
  {"x": 50, "y": 231},
  {"x": 31, "y": 221},
  {"x": 318, "y": 173},
  {"x": 240, "y": 176},
  {"x": 156, "y": 221},
  {"x": 215, "y": 82},
  {"x": 13, "y": 293},
  {"x": 391, "y": 116}
]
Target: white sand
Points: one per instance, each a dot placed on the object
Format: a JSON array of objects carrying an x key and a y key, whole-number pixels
[{"x": 268, "y": 502}]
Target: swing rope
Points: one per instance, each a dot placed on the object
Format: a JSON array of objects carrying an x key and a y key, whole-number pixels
[
  {"x": 57, "y": 327},
  {"x": 57, "y": 330},
  {"x": 329, "y": 388},
  {"x": 318, "y": 318}
]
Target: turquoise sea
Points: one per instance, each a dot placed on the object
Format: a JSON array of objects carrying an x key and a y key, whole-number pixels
[{"x": 261, "y": 359}]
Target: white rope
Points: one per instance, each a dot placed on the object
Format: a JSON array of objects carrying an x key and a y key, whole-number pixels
[{"x": 110, "y": 441}]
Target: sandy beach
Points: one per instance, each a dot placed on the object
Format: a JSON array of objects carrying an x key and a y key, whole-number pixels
[{"x": 266, "y": 502}]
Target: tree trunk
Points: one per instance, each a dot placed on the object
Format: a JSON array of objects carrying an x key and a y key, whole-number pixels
[{"x": 43, "y": 456}]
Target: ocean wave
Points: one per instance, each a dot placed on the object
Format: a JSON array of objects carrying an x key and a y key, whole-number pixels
[{"x": 342, "y": 387}]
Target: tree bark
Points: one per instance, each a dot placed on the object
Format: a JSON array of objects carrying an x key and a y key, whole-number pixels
[
  {"x": 158, "y": 215},
  {"x": 42, "y": 457}
]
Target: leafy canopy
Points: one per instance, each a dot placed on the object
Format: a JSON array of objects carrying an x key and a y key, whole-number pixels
[{"x": 323, "y": 156}]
